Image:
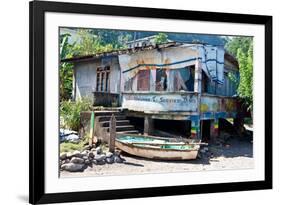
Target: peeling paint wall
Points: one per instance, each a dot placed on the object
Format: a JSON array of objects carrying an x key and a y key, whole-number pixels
[
  {"x": 213, "y": 107},
  {"x": 160, "y": 102},
  {"x": 86, "y": 76}
]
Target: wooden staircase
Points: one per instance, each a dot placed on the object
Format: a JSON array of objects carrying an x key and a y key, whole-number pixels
[{"x": 102, "y": 124}]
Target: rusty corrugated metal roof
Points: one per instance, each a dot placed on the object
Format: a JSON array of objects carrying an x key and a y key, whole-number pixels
[{"x": 228, "y": 56}]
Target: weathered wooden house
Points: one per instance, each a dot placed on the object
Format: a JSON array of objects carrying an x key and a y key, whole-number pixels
[{"x": 172, "y": 82}]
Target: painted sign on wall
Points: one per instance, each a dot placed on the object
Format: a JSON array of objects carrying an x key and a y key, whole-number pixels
[{"x": 149, "y": 102}]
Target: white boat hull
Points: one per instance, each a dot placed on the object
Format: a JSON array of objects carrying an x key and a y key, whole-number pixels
[{"x": 158, "y": 153}]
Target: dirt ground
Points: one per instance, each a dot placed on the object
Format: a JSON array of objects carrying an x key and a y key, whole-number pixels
[{"x": 234, "y": 154}]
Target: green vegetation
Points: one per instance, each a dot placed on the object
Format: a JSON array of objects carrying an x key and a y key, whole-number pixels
[
  {"x": 65, "y": 71},
  {"x": 161, "y": 38},
  {"x": 242, "y": 49},
  {"x": 89, "y": 44},
  {"x": 70, "y": 112},
  {"x": 70, "y": 147}
]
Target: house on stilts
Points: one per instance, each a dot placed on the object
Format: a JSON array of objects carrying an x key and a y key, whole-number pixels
[{"x": 174, "y": 85}]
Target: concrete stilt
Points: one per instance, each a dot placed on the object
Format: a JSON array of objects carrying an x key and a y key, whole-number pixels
[
  {"x": 214, "y": 129},
  {"x": 195, "y": 128}
]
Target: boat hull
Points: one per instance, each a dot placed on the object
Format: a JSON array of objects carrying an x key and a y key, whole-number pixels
[{"x": 157, "y": 153}]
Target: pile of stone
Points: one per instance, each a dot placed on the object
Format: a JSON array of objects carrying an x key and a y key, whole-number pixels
[
  {"x": 78, "y": 161},
  {"x": 205, "y": 152}
]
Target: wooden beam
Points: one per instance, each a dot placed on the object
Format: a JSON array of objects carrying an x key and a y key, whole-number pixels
[{"x": 112, "y": 135}]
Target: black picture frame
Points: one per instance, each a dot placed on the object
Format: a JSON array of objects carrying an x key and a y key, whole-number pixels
[{"x": 37, "y": 98}]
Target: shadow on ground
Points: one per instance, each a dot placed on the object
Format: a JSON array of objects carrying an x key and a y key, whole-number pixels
[{"x": 231, "y": 148}]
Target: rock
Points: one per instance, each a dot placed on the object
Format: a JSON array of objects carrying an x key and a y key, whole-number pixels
[
  {"x": 67, "y": 161},
  {"x": 85, "y": 157},
  {"x": 102, "y": 162},
  {"x": 68, "y": 155},
  {"x": 98, "y": 150},
  {"x": 118, "y": 159},
  {"x": 87, "y": 162},
  {"x": 109, "y": 154},
  {"x": 109, "y": 160},
  {"x": 100, "y": 157},
  {"x": 91, "y": 154},
  {"x": 63, "y": 155},
  {"x": 117, "y": 153},
  {"x": 87, "y": 147},
  {"x": 77, "y": 160},
  {"x": 85, "y": 152},
  {"x": 77, "y": 154},
  {"x": 71, "y": 167}
]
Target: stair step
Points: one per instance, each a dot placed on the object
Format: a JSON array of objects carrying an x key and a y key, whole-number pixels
[
  {"x": 107, "y": 118},
  {"x": 107, "y": 112},
  {"x": 128, "y": 132},
  {"x": 118, "y": 123},
  {"x": 122, "y": 128}
]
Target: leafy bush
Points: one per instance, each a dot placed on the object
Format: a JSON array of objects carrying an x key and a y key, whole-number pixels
[{"x": 70, "y": 112}]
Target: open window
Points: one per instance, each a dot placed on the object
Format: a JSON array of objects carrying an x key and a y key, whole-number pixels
[
  {"x": 161, "y": 80},
  {"x": 143, "y": 80},
  {"x": 183, "y": 78}
]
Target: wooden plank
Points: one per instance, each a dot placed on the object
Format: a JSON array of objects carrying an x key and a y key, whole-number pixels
[
  {"x": 92, "y": 129},
  {"x": 112, "y": 135},
  {"x": 169, "y": 143}
]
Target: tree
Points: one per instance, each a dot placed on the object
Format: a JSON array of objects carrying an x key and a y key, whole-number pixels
[
  {"x": 242, "y": 49},
  {"x": 161, "y": 38},
  {"x": 65, "y": 69},
  {"x": 88, "y": 44}
]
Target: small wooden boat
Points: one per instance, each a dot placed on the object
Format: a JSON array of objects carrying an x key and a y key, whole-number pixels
[{"x": 158, "y": 147}]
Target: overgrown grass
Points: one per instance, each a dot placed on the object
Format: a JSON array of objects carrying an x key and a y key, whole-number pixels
[
  {"x": 70, "y": 112},
  {"x": 70, "y": 147}
]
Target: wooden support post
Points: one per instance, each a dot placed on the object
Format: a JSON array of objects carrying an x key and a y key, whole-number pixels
[
  {"x": 112, "y": 135},
  {"x": 148, "y": 125},
  {"x": 92, "y": 129},
  {"x": 214, "y": 129},
  {"x": 197, "y": 77},
  {"x": 196, "y": 124}
]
